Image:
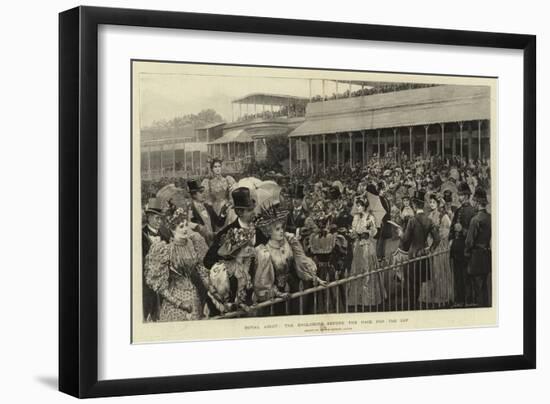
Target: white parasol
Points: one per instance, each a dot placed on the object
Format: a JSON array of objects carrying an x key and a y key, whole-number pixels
[
  {"x": 376, "y": 207},
  {"x": 248, "y": 182},
  {"x": 263, "y": 192}
]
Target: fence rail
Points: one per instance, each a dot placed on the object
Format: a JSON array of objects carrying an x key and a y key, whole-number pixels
[{"x": 410, "y": 284}]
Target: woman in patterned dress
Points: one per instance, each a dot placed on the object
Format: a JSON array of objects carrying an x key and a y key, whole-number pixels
[
  {"x": 174, "y": 270},
  {"x": 363, "y": 229},
  {"x": 217, "y": 189}
]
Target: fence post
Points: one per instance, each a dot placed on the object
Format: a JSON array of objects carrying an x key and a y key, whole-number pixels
[
  {"x": 337, "y": 288},
  {"x": 346, "y": 290},
  {"x": 301, "y": 289}
]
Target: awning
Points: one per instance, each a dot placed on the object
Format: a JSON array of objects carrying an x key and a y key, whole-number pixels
[
  {"x": 234, "y": 136},
  {"x": 338, "y": 119}
]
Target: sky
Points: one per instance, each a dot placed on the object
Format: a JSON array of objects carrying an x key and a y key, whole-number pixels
[{"x": 167, "y": 95}]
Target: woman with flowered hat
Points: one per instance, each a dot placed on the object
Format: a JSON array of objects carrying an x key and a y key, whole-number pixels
[
  {"x": 174, "y": 270},
  {"x": 231, "y": 277},
  {"x": 281, "y": 262}
]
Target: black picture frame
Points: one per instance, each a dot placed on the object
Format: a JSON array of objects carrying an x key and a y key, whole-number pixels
[{"x": 78, "y": 195}]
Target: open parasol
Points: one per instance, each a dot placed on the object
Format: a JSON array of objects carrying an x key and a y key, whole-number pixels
[
  {"x": 376, "y": 207},
  {"x": 171, "y": 192},
  {"x": 261, "y": 191}
]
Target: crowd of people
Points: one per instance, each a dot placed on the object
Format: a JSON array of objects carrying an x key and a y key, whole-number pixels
[
  {"x": 216, "y": 251},
  {"x": 380, "y": 89}
]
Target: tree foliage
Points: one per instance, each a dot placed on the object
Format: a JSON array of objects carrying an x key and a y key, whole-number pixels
[
  {"x": 204, "y": 117},
  {"x": 277, "y": 150},
  {"x": 276, "y": 158}
]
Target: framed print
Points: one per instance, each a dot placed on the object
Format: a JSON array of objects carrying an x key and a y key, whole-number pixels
[{"x": 239, "y": 194}]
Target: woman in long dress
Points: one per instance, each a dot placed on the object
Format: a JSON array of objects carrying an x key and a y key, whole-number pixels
[
  {"x": 174, "y": 270},
  {"x": 369, "y": 290},
  {"x": 329, "y": 251},
  {"x": 280, "y": 263},
  {"x": 217, "y": 190},
  {"x": 438, "y": 291}
]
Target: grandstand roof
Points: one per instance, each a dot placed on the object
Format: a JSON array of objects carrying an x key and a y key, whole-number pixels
[
  {"x": 269, "y": 99},
  {"x": 234, "y": 136},
  {"x": 406, "y": 108},
  {"x": 211, "y": 125}
]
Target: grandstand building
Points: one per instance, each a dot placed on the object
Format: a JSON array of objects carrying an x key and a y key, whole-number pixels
[
  {"x": 401, "y": 119},
  {"x": 256, "y": 117}
]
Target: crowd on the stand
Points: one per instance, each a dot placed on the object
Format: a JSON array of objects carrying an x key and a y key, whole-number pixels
[{"x": 216, "y": 251}]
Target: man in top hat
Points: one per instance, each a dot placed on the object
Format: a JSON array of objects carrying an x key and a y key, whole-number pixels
[
  {"x": 297, "y": 217},
  {"x": 457, "y": 239},
  {"x": 243, "y": 205},
  {"x": 414, "y": 243},
  {"x": 478, "y": 251},
  {"x": 342, "y": 217},
  {"x": 153, "y": 231},
  {"x": 385, "y": 230},
  {"x": 203, "y": 214}
]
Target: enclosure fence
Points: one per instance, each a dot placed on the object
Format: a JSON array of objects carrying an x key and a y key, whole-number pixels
[{"x": 397, "y": 284}]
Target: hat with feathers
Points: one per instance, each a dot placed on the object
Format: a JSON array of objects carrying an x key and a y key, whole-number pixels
[{"x": 271, "y": 213}]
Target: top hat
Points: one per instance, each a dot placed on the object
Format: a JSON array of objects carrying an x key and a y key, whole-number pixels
[
  {"x": 464, "y": 188},
  {"x": 242, "y": 199},
  {"x": 419, "y": 197},
  {"x": 153, "y": 207},
  {"x": 480, "y": 195},
  {"x": 194, "y": 187},
  {"x": 297, "y": 191}
]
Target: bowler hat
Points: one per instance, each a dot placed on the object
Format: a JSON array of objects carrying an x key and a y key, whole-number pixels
[{"x": 242, "y": 199}]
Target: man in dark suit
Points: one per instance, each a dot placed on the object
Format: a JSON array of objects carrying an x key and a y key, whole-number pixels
[
  {"x": 244, "y": 209},
  {"x": 457, "y": 237},
  {"x": 478, "y": 251},
  {"x": 153, "y": 231},
  {"x": 203, "y": 214},
  {"x": 385, "y": 229},
  {"x": 414, "y": 241},
  {"x": 298, "y": 215}
]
